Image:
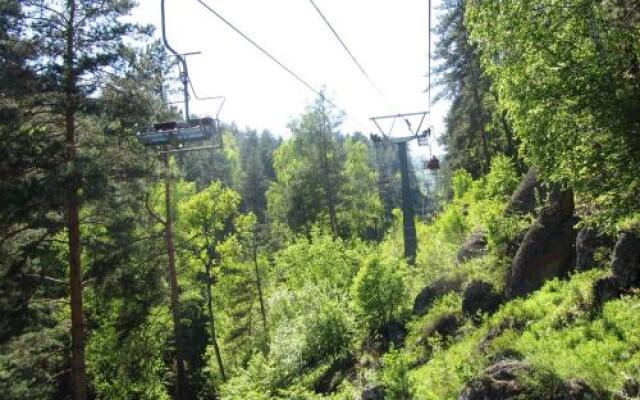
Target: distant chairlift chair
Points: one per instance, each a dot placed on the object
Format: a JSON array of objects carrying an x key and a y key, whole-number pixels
[{"x": 433, "y": 164}]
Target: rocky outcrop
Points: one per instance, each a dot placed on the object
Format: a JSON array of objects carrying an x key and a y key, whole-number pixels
[
  {"x": 474, "y": 246},
  {"x": 605, "y": 289},
  {"x": 625, "y": 264},
  {"x": 480, "y": 297},
  {"x": 511, "y": 380},
  {"x": 626, "y": 259},
  {"x": 500, "y": 381},
  {"x": 588, "y": 242},
  {"x": 339, "y": 370},
  {"x": 425, "y": 299},
  {"x": 380, "y": 340},
  {"x": 548, "y": 248},
  {"x": 373, "y": 393},
  {"x": 445, "y": 326},
  {"x": 394, "y": 333},
  {"x": 525, "y": 198}
]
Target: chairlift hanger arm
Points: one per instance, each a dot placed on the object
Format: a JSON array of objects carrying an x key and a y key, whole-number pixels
[
  {"x": 400, "y": 115},
  {"x": 414, "y": 134},
  {"x": 164, "y": 36}
]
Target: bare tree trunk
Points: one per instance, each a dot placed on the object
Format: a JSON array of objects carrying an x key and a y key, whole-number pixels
[
  {"x": 181, "y": 382},
  {"x": 78, "y": 371}
]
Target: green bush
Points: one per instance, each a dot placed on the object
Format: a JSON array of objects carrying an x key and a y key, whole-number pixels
[
  {"x": 379, "y": 291},
  {"x": 395, "y": 376}
]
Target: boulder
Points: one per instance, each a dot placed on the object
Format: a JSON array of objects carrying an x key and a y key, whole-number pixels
[
  {"x": 588, "y": 241},
  {"x": 339, "y": 370},
  {"x": 548, "y": 248},
  {"x": 511, "y": 248},
  {"x": 605, "y": 289},
  {"x": 480, "y": 297},
  {"x": 524, "y": 199},
  {"x": 429, "y": 294},
  {"x": 379, "y": 340},
  {"x": 626, "y": 259},
  {"x": 394, "y": 333},
  {"x": 373, "y": 393},
  {"x": 445, "y": 326},
  {"x": 577, "y": 389},
  {"x": 631, "y": 389},
  {"x": 511, "y": 380},
  {"x": 474, "y": 246},
  {"x": 499, "y": 381}
]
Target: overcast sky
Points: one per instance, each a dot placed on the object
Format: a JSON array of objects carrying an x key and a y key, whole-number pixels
[{"x": 389, "y": 38}]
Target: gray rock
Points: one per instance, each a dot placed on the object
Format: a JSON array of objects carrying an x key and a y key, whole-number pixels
[
  {"x": 588, "y": 242},
  {"x": 499, "y": 382},
  {"x": 474, "y": 246},
  {"x": 394, "y": 333},
  {"x": 480, "y": 297},
  {"x": 631, "y": 388},
  {"x": 511, "y": 380},
  {"x": 626, "y": 259},
  {"x": 339, "y": 370},
  {"x": 373, "y": 393},
  {"x": 548, "y": 248},
  {"x": 524, "y": 199},
  {"x": 424, "y": 300},
  {"x": 605, "y": 289},
  {"x": 445, "y": 326}
]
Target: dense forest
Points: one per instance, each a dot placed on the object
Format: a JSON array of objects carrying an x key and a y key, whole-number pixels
[{"x": 273, "y": 267}]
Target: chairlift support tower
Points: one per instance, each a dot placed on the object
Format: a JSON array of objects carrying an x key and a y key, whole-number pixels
[{"x": 408, "y": 213}]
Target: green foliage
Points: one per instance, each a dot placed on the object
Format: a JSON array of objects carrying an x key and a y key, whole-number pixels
[
  {"x": 477, "y": 129},
  {"x": 555, "y": 330},
  {"x": 379, "y": 290},
  {"x": 567, "y": 76},
  {"x": 133, "y": 366},
  {"x": 329, "y": 331},
  {"x": 502, "y": 178},
  {"x": 30, "y": 364},
  {"x": 395, "y": 376},
  {"x": 360, "y": 210},
  {"x": 321, "y": 262},
  {"x": 460, "y": 183}
]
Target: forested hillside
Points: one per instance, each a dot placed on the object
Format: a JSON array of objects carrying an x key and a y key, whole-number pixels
[{"x": 272, "y": 267}]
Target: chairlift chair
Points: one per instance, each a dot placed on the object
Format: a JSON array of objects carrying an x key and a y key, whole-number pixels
[
  {"x": 178, "y": 133},
  {"x": 433, "y": 164}
]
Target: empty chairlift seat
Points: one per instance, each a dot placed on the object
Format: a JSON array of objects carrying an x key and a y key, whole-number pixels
[{"x": 181, "y": 132}]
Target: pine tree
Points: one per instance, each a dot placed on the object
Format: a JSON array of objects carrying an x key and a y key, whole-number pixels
[
  {"x": 476, "y": 128},
  {"x": 76, "y": 43}
]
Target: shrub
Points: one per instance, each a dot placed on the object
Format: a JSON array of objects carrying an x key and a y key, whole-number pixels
[
  {"x": 379, "y": 291},
  {"x": 395, "y": 376}
]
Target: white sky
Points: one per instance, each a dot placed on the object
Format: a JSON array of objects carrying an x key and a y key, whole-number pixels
[{"x": 389, "y": 38}]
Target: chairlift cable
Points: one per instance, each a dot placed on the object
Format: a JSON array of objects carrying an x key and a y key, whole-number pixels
[
  {"x": 429, "y": 57},
  {"x": 353, "y": 58},
  {"x": 274, "y": 59}
]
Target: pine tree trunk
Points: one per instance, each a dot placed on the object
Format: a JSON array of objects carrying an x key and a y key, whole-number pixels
[
  {"x": 78, "y": 371},
  {"x": 181, "y": 382}
]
